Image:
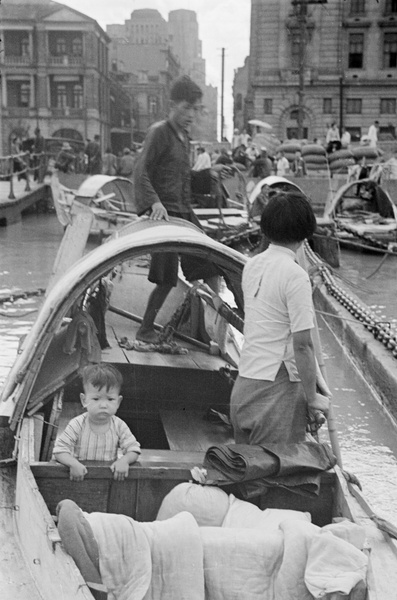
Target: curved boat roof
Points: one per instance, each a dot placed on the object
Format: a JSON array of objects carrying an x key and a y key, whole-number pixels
[
  {"x": 136, "y": 238},
  {"x": 271, "y": 181},
  {"x": 91, "y": 186}
]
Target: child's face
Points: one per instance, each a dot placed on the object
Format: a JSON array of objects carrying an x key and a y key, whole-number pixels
[{"x": 101, "y": 404}]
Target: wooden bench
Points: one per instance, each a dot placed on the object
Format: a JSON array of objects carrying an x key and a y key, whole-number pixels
[{"x": 191, "y": 431}]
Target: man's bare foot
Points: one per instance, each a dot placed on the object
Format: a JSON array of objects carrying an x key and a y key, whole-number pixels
[{"x": 147, "y": 335}]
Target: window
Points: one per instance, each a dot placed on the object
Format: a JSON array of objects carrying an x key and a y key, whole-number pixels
[
  {"x": 294, "y": 114},
  {"x": 388, "y": 106},
  {"x": 391, "y": 6},
  {"x": 143, "y": 77},
  {"x": 292, "y": 133},
  {"x": 354, "y": 106},
  {"x": 24, "y": 94},
  {"x": 357, "y": 7},
  {"x": 61, "y": 96},
  {"x": 238, "y": 103},
  {"x": 268, "y": 106},
  {"x": 77, "y": 47},
  {"x": 327, "y": 106},
  {"x": 78, "y": 96},
  {"x": 25, "y": 46},
  {"x": 355, "y": 133},
  {"x": 295, "y": 51},
  {"x": 153, "y": 105},
  {"x": 60, "y": 46},
  {"x": 390, "y": 51},
  {"x": 356, "y": 50}
]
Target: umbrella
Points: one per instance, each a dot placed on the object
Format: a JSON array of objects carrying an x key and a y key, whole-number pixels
[{"x": 259, "y": 123}]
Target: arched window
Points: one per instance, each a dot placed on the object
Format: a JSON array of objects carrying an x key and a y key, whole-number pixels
[
  {"x": 78, "y": 96},
  {"x": 60, "y": 46},
  {"x": 77, "y": 46}
]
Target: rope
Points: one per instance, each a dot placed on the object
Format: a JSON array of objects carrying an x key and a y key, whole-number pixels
[{"x": 381, "y": 330}]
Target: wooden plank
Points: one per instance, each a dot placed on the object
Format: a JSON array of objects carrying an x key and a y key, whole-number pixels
[
  {"x": 114, "y": 354},
  {"x": 188, "y": 430},
  {"x": 54, "y": 572}
]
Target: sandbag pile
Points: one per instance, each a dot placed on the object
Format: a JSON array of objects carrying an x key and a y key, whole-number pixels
[
  {"x": 369, "y": 152},
  {"x": 315, "y": 157},
  {"x": 340, "y": 161},
  {"x": 289, "y": 148}
]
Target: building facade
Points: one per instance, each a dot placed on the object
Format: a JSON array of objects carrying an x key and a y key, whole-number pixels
[
  {"x": 156, "y": 51},
  {"x": 55, "y": 73},
  {"x": 337, "y": 60}
]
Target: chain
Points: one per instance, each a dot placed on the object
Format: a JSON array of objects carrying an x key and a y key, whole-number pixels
[{"x": 380, "y": 329}]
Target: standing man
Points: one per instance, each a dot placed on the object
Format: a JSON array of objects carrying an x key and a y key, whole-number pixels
[
  {"x": 373, "y": 134},
  {"x": 299, "y": 165},
  {"x": 346, "y": 138},
  {"x": 163, "y": 188},
  {"x": 126, "y": 165},
  {"x": 276, "y": 384},
  {"x": 203, "y": 160},
  {"x": 39, "y": 158},
  {"x": 94, "y": 154},
  {"x": 282, "y": 164}
]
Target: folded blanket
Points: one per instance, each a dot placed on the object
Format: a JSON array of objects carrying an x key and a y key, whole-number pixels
[
  {"x": 161, "y": 347},
  {"x": 294, "y": 466}
]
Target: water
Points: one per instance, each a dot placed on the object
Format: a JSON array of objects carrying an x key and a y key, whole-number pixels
[{"x": 367, "y": 438}]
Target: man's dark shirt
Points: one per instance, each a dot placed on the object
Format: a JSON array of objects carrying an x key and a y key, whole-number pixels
[{"x": 162, "y": 171}]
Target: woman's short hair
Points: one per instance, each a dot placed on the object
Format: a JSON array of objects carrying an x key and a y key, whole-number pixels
[
  {"x": 288, "y": 218},
  {"x": 185, "y": 89}
]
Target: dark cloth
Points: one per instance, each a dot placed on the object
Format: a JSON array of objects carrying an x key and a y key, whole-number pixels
[
  {"x": 223, "y": 159},
  {"x": 79, "y": 541},
  {"x": 262, "y": 167},
  {"x": 82, "y": 333},
  {"x": 93, "y": 151},
  {"x": 39, "y": 143},
  {"x": 294, "y": 466},
  {"x": 201, "y": 182},
  {"x": 162, "y": 171},
  {"x": 64, "y": 161},
  {"x": 164, "y": 265},
  {"x": 267, "y": 412}
]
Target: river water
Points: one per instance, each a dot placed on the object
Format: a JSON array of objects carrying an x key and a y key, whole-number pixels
[{"x": 367, "y": 437}]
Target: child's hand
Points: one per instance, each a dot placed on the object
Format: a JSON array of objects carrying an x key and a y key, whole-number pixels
[
  {"x": 120, "y": 468},
  {"x": 77, "y": 471}
]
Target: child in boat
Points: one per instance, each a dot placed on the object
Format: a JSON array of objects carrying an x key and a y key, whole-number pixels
[{"x": 97, "y": 434}]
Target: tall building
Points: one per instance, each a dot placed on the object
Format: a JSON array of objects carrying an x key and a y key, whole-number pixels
[
  {"x": 156, "y": 51},
  {"x": 335, "y": 59},
  {"x": 54, "y": 64}
]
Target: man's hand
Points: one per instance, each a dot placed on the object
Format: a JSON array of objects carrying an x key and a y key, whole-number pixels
[
  {"x": 77, "y": 471},
  {"x": 159, "y": 212},
  {"x": 319, "y": 408}
]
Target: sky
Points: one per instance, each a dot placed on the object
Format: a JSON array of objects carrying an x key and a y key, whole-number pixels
[{"x": 222, "y": 24}]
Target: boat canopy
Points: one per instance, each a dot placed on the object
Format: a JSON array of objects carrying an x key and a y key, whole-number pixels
[
  {"x": 25, "y": 379},
  {"x": 275, "y": 182},
  {"x": 96, "y": 186},
  {"x": 384, "y": 204}
]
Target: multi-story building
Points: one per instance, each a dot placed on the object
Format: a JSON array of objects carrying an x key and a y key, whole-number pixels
[
  {"x": 334, "y": 60},
  {"x": 156, "y": 52},
  {"x": 240, "y": 91},
  {"x": 54, "y": 64}
]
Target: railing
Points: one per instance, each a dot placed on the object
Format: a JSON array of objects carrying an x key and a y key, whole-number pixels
[
  {"x": 65, "y": 60},
  {"x": 23, "y": 165},
  {"x": 17, "y": 60}
]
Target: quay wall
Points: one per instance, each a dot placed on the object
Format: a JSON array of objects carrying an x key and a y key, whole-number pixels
[{"x": 373, "y": 360}]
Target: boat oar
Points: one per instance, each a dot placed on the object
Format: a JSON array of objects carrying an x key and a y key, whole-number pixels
[{"x": 137, "y": 319}]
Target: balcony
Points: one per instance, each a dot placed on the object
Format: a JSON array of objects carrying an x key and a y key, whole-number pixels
[
  {"x": 74, "y": 113},
  {"x": 18, "y": 111},
  {"x": 65, "y": 61},
  {"x": 16, "y": 60}
]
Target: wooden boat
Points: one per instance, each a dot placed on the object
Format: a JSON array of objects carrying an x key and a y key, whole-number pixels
[
  {"x": 109, "y": 199},
  {"x": 364, "y": 215},
  {"x": 167, "y": 399}
]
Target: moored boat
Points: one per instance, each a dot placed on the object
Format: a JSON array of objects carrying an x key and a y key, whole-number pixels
[{"x": 169, "y": 401}]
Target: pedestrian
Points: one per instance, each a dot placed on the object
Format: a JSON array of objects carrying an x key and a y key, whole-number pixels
[
  {"x": 298, "y": 166},
  {"x": 235, "y": 139},
  {"x": 109, "y": 162},
  {"x": 262, "y": 165},
  {"x": 39, "y": 162},
  {"x": 94, "y": 154},
  {"x": 126, "y": 165},
  {"x": 97, "y": 434},
  {"x": 163, "y": 188},
  {"x": 282, "y": 164},
  {"x": 373, "y": 134},
  {"x": 203, "y": 160},
  {"x": 276, "y": 383},
  {"x": 64, "y": 162},
  {"x": 332, "y": 140},
  {"x": 346, "y": 138},
  {"x": 244, "y": 138}
]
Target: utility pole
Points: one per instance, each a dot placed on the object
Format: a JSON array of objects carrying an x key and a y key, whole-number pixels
[
  {"x": 222, "y": 91},
  {"x": 302, "y": 63}
]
